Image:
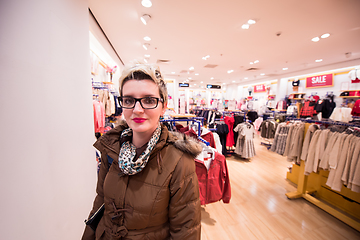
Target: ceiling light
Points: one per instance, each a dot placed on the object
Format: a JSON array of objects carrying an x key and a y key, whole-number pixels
[
  {"x": 262, "y": 74},
  {"x": 189, "y": 78},
  {"x": 147, "y": 55},
  {"x": 285, "y": 68},
  {"x": 146, "y": 3},
  {"x": 224, "y": 83},
  {"x": 233, "y": 81},
  {"x": 251, "y": 63},
  {"x": 206, "y": 57},
  {"x": 256, "y": 61},
  {"x": 145, "y": 60},
  {"x": 325, "y": 35},
  {"x": 194, "y": 83},
  {"x": 246, "y": 78},
  {"x": 196, "y": 74},
  {"x": 211, "y": 78},
  {"x": 191, "y": 68},
  {"x": 201, "y": 82},
  {"x": 147, "y": 38},
  {"x": 318, "y": 60},
  {"x": 146, "y": 45},
  {"x": 251, "y": 21},
  {"x": 315, "y": 39},
  {"x": 172, "y": 72},
  {"x": 230, "y": 71},
  {"x": 145, "y": 18},
  {"x": 245, "y": 26}
]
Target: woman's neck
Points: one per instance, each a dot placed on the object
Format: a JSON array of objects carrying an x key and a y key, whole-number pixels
[{"x": 141, "y": 138}]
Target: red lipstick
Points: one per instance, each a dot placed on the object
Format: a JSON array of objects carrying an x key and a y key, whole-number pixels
[{"x": 139, "y": 120}]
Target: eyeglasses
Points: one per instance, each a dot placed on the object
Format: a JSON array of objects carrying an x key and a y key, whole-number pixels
[{"x": 145, "y": 102}]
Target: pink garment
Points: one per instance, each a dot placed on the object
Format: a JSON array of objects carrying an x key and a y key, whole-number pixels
[
  {"x": 257, "y": 123},
  {"x": 99, "y": 116},
  {"x": 230, "y": 136},
  {"x": 214, "y": 184}
]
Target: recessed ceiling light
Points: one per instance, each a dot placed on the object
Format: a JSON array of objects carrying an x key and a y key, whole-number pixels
[
  {"x": 230, "y": 71},
  {"x": 256, "y": 61},
  {"x": 201, "y": 82},
  {"x": 145, "y": 60},
  {"x": 172, "y": 72},
  {"x": 146, "y": 3},
  {"x": 262, "y": 74},
  {"x": 251, "y": 63},
  {"x": 224, "y": 83},
  {"x": 245, "y": 26},
  {"x": 246, "y": 78},
  {"x": 318, "y": 60},
  {"x": 251, "y": 21},
  {"x": 196, "y": 74},
  {"x": 147, "y": 55},
  {"x": 315, "y": 39},
  {"x": 191, "y": 68},
  {"x": 285, "y": 68},
  {"x": 189, "y": 77},
  {"x": 206, "y": 57},
  {"x": 145, "y": 18},
  {"x": 233, "y": 81},
  {"x": 146, "y": 45},
  {"x": 211, "y": 78},
  {"x": 325, "y": 35},
  {"x": 147, "y": 38},
  {"x": 194, "y": 83}
]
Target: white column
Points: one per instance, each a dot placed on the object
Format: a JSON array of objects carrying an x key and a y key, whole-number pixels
[{"x": 48, "y": 163}]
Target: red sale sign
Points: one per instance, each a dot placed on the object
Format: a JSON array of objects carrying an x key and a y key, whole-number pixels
[
  {"x": 259, "y": 88},
  {"x": 326, "y": 80}
]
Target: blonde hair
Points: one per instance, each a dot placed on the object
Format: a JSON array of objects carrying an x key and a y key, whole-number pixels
[{"x": 141, "y": 71}]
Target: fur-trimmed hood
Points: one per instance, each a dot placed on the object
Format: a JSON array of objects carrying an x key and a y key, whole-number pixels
[{"x": 186, "y": 143}]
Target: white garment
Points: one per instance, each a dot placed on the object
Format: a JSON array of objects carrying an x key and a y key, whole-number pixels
[{"x": 341, "y": 114}]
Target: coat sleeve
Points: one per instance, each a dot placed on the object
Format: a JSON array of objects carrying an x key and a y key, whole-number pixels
[
  {"x": 89, "y": 234},
  {"x": 185, "y": 208}
]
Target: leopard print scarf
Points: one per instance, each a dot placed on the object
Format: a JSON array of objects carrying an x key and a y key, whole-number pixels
[{"x": 128, "y": 152}]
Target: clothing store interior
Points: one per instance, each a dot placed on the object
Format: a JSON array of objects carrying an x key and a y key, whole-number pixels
[{"x": 271, "y": 90}]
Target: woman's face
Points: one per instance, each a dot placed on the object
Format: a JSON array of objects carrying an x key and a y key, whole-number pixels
[{"x": 140, "y": 120}]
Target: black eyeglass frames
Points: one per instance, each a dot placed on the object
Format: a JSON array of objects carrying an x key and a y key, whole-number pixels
[{"x": 145, "y": 102}]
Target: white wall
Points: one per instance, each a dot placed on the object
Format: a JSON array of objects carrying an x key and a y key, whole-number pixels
[{"x": 48, "y": 165}]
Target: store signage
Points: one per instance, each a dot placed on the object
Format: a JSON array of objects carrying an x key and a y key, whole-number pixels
[
  {"x": 183, "y": 85},
  {"x": 326, "y": 80},
  {"x": 259, "y": 88},
  {"x": 213, "y": 86}
]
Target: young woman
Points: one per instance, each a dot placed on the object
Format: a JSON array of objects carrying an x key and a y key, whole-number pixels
[{"x": 151, "y": 189}]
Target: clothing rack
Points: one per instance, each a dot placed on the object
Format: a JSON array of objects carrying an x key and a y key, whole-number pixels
[
  {"x": 235, "y": 112},
  {"x": 322, "y": 122},
  {"x": 188, "y": 120},
  {"x": 303, "y": 180}
]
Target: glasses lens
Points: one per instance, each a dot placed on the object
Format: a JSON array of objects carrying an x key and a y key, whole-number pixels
[
  {"x": 149, "y": 102},
  {"x": 127, "y": 102}
]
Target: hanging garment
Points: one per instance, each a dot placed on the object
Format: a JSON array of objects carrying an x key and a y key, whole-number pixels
[
  {"x": 245, "y": 143},
  {"x": 238, "y": 119},
  {"x": 222, "y": 130},
  {"x": 208, "y": 136},
  {"x": 214, "y": 183},
  {"x": 99, "y": 116},
  {"x": 341, "y": 114},
  {"x": 229, "y": 121}
]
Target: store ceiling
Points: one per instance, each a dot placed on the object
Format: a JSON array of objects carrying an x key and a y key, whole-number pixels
[{"x": 183, "y": 32}]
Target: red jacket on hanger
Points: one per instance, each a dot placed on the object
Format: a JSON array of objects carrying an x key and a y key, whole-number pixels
[{"x": 214, "y": 184}]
